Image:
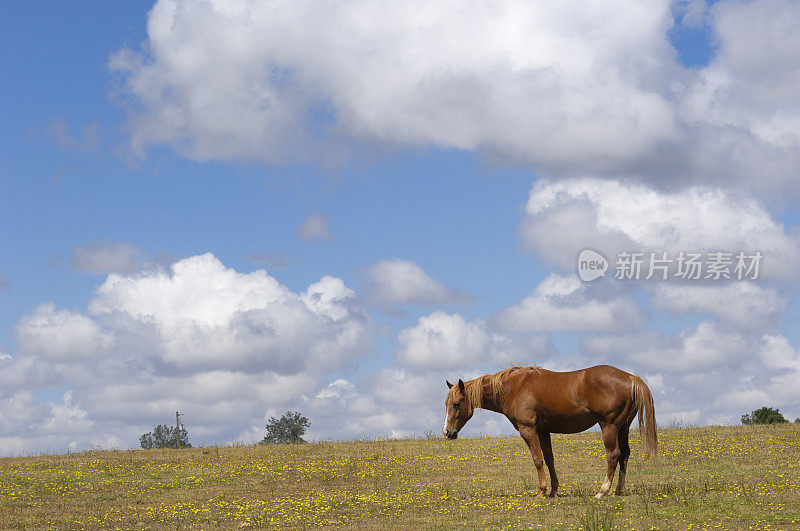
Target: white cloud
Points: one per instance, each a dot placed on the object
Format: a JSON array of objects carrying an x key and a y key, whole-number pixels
[
  {"x": 337, "y": 389},
  {"x": 27, "y": 425},
  {"x": 214, "y": 401},
  {"x": 18, "y": 411},
  {"x": 742, "y": 110},
  {"x": 529, "y": 79},
  {"x": 709, "y": 345},
  {"x": 745, "y": 400},
  {"x": 105, "y": 257},
  {"x": 742, "y": 304},
  {"x": 611, "y": 216},
  {"x": 206, "y": 315},
  {"x": 328, "y": 297},
  {"x": 314, "y": 227},
  {"x": 396, "y": 282},
  {"x": 566, "y": 303},
  {"x": 777, "y": 353},
  {"x": 578, "y": 89},
  {"x": 220, "y": 346},
  {"x": 59, "y": 334},
  {"x": 448, "y": 341}
]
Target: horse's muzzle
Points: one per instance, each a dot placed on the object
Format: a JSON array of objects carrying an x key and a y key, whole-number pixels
[{"x": 450, "y": 434}]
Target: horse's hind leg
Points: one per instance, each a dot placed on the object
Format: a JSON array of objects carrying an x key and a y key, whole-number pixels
[
  {"x": 625, "y": 452},
  {"x": 547, "y": 451},
  {"x": 611, "y": 442}
]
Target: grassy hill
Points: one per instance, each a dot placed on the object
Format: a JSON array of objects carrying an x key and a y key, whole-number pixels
[{"x": 712, "y": 477}]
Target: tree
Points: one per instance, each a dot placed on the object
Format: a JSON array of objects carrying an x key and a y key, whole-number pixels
[
  {"x": 764, "y": 415},
  {"x": 287, "y": 429},
  {"x": 164, "y": 436}
]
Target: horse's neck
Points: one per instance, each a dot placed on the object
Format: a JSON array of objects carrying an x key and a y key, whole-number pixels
[{"x": 490, "y": 401}]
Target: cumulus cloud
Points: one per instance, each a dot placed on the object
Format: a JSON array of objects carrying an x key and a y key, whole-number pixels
[
  {"x": 60, "y": 334},
  {"x": 741, "y": 110},
  {"x": 100, "y": 258},
  {"x": 742, "y": 304},
  {"x": 395, "y": 282},
  {"x": 219, "y": 345},
  {"x": 777, "y": 353},
  {"x": 314, "y": 227},
  {"x": 709, "y": 345},
  {"x": 612, "y": 216},
  {"x": 519, "y": 77},
  {"x": 774, "y": 382},
  {"x": 28, "y": 424},
  {"x": 448, "y": 341},
  {"x": 343, "y": 409},
  {"x": 205, "y": 314},
  {"x": 565, "y": 303},
  {"x": 571, "y": 89}
]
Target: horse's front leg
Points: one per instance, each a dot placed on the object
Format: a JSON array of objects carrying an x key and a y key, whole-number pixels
[
  {"x": 531, "y": 438},
  {"x": 547, "y": 450}
]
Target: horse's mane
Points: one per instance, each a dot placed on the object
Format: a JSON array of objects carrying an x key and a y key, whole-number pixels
[{"x": 474, "y": 387}]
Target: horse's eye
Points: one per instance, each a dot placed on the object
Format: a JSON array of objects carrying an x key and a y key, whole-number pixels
[{"x": 456, "y": 405}]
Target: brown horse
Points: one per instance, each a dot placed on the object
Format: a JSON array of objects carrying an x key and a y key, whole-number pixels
[{"x": 539, "y": 402}]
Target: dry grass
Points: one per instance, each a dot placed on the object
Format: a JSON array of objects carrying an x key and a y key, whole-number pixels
[{"x": 716, "y": 477}]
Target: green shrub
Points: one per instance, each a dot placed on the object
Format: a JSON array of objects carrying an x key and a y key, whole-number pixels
[
  {"x": 164, "y": 436},
  {"x": 764, "y": 415},
  {"x": 287, "y": 429}
]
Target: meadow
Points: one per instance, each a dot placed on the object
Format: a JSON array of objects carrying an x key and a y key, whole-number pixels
[{"x": 744, "y": 477}]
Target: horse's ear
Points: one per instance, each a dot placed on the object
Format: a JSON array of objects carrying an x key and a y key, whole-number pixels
[
  {"x": 449, "y": 385},
  {"x": 461, "y": 386}
]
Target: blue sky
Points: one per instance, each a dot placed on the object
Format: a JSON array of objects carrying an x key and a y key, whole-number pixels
[{"x": 109, "y": 159}]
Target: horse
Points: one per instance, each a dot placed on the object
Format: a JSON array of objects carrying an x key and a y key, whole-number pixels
[{"x": 539, "y": 402}]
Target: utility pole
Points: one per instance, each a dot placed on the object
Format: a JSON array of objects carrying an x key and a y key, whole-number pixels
[{"x": 178, "y": 429}]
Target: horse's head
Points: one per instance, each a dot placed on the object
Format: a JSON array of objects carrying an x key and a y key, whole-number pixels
[{"x": 457, "y": 410}]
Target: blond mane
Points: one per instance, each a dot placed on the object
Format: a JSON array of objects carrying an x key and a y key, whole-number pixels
[{"x": 474, "y": 388}]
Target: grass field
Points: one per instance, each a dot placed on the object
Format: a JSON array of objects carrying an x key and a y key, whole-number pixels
[{"x": 713, "y": 477}]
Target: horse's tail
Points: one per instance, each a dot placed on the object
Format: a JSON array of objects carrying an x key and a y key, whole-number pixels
[{"x": 643, "y": 402}]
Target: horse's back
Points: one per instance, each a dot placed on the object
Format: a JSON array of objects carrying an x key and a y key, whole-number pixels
[
  {"x": 549, "y": 398},
  {"x": 571, "y": 401},
  {"x": 605, "y": 377}
]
